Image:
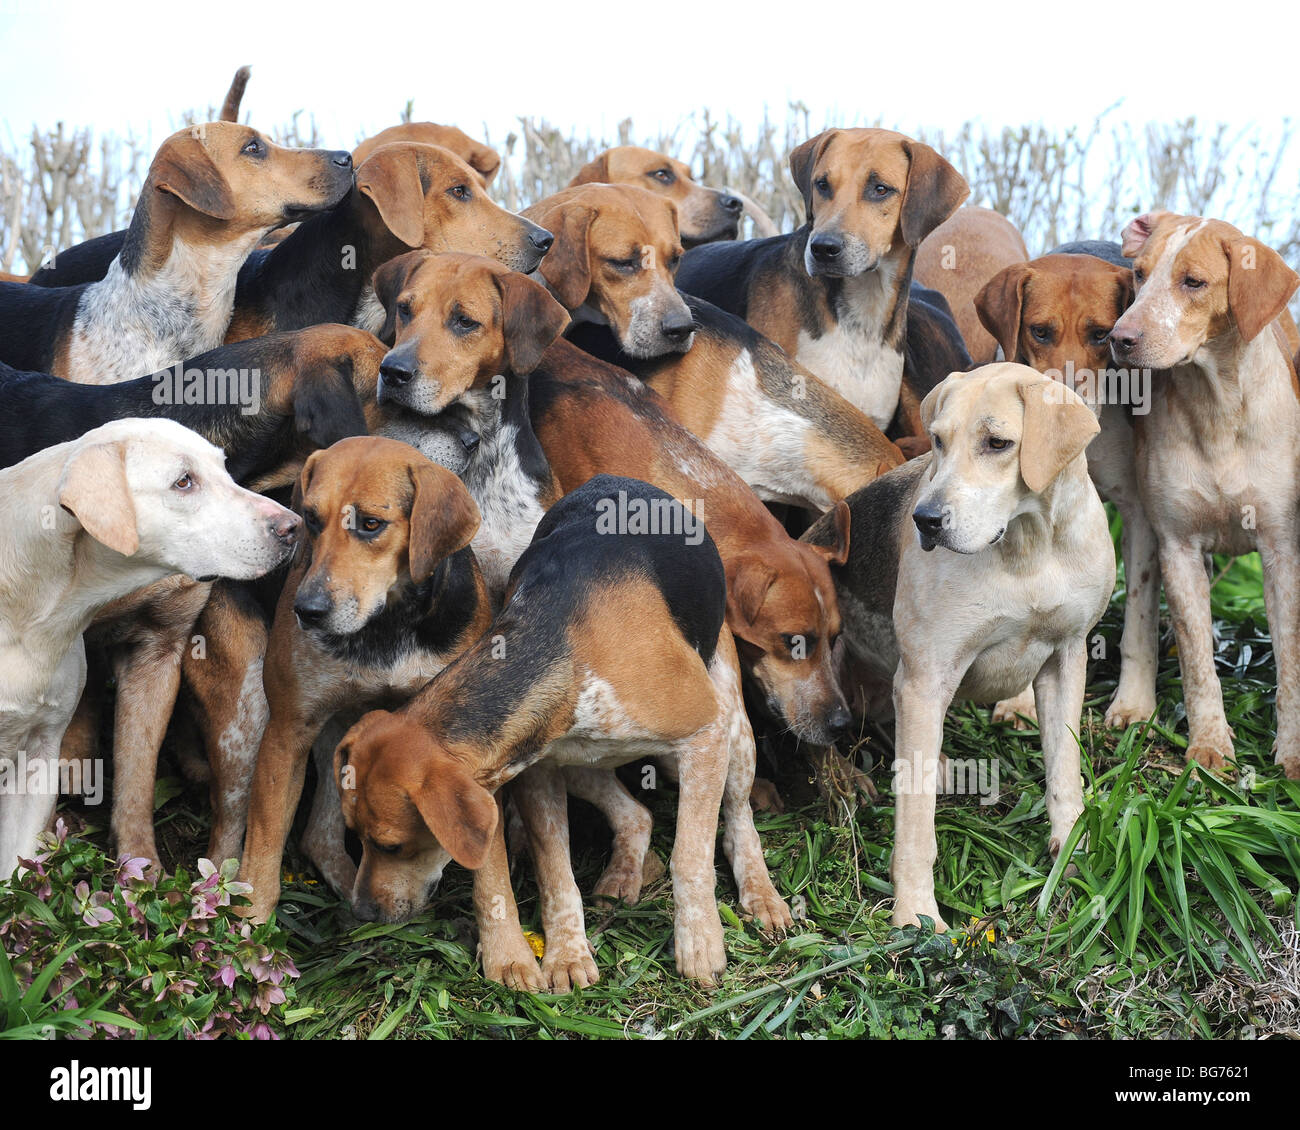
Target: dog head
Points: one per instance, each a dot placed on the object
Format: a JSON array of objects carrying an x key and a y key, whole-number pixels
[
  {"x": 379, "y": 517},
  {"x": 781, "y": 607},
  {"x": 415, "y": 806},
  {"x": 616, "y": 252},
  {"x": 868, "y": 192},
  {"x": 158, "y": 493},
  {"x": 703, "y": 214},
  {"x": 483, "y": 159},
  {"x": 1196, "y": 280},
  {"x": 1055, "y": 314},
  {"x": 1001, "y": 435},
  {"x": 428, "y": 197},
  {"x": 455, "y": 322},
  {"x": 224, "y": 180}
]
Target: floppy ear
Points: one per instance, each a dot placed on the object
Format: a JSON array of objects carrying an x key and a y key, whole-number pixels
[
  {"x": 999, "y": 305},
  {"x": 1125, "y": 290},
  {"x": 837, "y": 552},
  {"x": 326, "y": 407},
  {"x": 748, "y": 580},
  {"x": 933, "y": 402},
  {"x": 934, "y": 192},
  {"x": 567, "y": 265},
  {"x": 459, "y": 811},
  {"x": 94, "y": 490},
  {"x": 1058, "y": 426},
  {"x": 391, "y": 178},
  {"x": 184, "y": 169},
  {"x": 486, "y": 162},
  {"x": 595, "y": 171},
  {"x": 803, "y": 159},
  {"x": 1260, "y": 284},
  {"x": 1138, "y": 231},
  {"x": 388, "y": 282},
  {"x": 303, "y": 483},
  {"x": 444, "y": 518},
  {"x": 530, "y": 320}
]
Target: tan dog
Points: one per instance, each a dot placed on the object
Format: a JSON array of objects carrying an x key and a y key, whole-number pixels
[
  {"x": 704, "y": 214},
  {"x": 93, "y": 519},
  {"x": 616, "y": 250},
  {"x": 212, "y": 192},
  {"x": 970, "y": 572},
  {"x": 1055, "y": 314},
  {"x": 384, "y": 594},
  {"x": 1216, "y": 456},
  {"x": 484, "y": 160}
]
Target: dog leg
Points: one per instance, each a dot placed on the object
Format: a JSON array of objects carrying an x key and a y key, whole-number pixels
[
  {"x": 24, "y": 816},
  {"x": 504, "y": 951},
  {"x": 543, "y": 804},
  {"x": 1060, "y": 687},
  {"x": 1278, "y": 550},
  {"x": 632, "y": 825},
  {"x": 1187, "y": 589},
  {"x": 323, "y": 840},
  {"x": 920, "y": 702},
  {"x": 1135, "y": 697},
  {"x": 1017, "y": 710}
]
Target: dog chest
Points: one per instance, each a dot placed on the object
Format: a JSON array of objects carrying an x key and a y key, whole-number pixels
[{"x": 857, "y": 364}]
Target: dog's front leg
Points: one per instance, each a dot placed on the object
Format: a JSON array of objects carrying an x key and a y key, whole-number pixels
[
  {"x": 921, "y": 700},
  {"x": 544, "y": 805},
  {"x": 506, "y": 955},
  {"x": 1059, "y": 688},
  {"x": 1280, "y": 554},
  {"x": 1187, "y": 589},
  {"x": 1135, "y": 697}
]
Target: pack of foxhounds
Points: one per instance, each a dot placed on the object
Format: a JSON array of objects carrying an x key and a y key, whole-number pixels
[{"x": 328, "y": 459}]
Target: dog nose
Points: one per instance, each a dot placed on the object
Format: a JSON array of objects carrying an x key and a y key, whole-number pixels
[
  {"x": 366, "y": 910},
  {"x": 928, "y": 518},
  {"x": 541, "y": 239},
  {"x": 311, "y": 605},
  {"x": 468, "y": 437},
  {"x": 396, "y": 370},
  {"x": 838, "y": 720},
  {"x": 1123, "y": 341},
  {"x": 286, "y": 526},
  {"x": 732, "y": 204},
  {"x": 826, "y": 247},
  {"x": 342, "y": 158},
  {"x": 677, "y": 326}
]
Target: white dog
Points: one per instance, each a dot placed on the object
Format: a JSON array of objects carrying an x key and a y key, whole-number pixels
[{"x": 84, "y": 523}]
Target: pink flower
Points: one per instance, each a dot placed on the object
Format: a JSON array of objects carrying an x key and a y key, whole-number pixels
[
  {"x": 130, "y": 868},
  {"x": 92, "y": 907},
  {"x": 226, "y": 975}
]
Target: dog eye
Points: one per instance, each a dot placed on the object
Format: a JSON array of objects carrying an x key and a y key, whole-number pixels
[
  {"x": 184, "y": 483},
  {"x": 1193, "y": 283},
  {"x": 997, "y": 443},
  {"x": 823, "y": 185},
  {"x": 936, "y": 442},
  {"x": 370, "y": 525},
  {"x": 1139, "y": 276},
  {"x": 404, "y": 311},
  {"x": 880, "y": 191},
  {"x": 1041, "y": 334},
  {"x": 1099, "y": 336},
  {"x": 664, "y": 176},
  {"x": 253, "y": 147},
  {"x": 460, "y": 192},
  {"x": 463, "y": 324},
  {"x": 387, "y": 849},
  {"x": 627, "y": 266},
  {"x": 311, "y": 520}
]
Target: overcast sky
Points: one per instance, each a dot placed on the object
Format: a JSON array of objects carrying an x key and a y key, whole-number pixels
[{"x": 585, "y": 65}]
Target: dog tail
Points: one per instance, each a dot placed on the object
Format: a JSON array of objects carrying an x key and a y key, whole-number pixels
[{"x": 235, "y": 95}]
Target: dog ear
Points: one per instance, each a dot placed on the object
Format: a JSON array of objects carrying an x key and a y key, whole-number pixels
[
  {"x": 1139, "y": 230},
  {"x": 303, "y": 483},
  {"x": 836, "y": 552},
  {"x": 567, "y": 265},
  {"x": 934, "y": 191},
  {"x": 459, "y": 811},
  {"x": 184, "y": 169},
  {"x": 94, "y": 490},
  {"x": 388, "y": 281},
  {"x": 485, "y": 161},
  {"x": 444, "y": 518},
  {"x": 1260, "y": 284},
  {"x": 933, "y": 402},
  {"x": 803, "y": 160},
  {"x": 1125, "y": 289},
  {"x": 326, "y": 407},
  {"x": 595, "y": 171},
  {"x": 748, "y": 579},
  {"x": 1058, "y": 426},
  {"x": 999, "y": 305},
  {"x": 531, "y": 320},
  {"x": 391, "y": 178}
]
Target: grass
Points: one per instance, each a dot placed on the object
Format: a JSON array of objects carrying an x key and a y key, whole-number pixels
[{"x": 1175, "y": 918}]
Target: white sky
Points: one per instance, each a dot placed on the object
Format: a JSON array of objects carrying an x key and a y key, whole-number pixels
[{"x": 585, "y": 65}]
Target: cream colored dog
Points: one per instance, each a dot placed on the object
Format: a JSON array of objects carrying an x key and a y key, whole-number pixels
[
  {"x": 972, "y": 571},
  {"x": 1216, "y": 455},
  {"x": 87, "y": 522}
]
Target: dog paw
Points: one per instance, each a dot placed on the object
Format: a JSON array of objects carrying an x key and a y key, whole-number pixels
[
  {"x": 1290, "y": 764},
  {"x": 767, "y": 908},
  {"x": 699, "y": 949},
  {"x": 508, "y": 960},
  {"x": 1021, "y": 712},
  {"x": 1214, "y": 756},
  {"x": 1122, "y": 714},
  {"x": 568, "y": 965},
  {"x": 621, "y": 880},
  {"x": 908, "y": 911},
  {"x": 838, "y": 778},
  {"x": 763, "y": 796}
]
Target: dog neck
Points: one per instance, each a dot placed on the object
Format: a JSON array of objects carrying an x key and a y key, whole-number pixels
[
  {"x": 1230, "y": 372},
  {"x": 1045, "y": 519}
]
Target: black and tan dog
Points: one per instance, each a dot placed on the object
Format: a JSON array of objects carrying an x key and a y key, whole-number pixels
[
  {"x": 383, "y": 594},
  {"x": 167, "y": 289},
  {"x": 610, "y": 648},
  {"x": 834, "y": 294}
]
